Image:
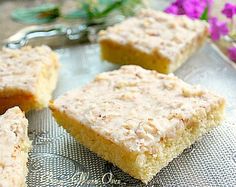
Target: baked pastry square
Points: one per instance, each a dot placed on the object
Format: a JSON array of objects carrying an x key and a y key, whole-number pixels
[
  {"x": 27, "y": 77},
  {"x": 153, "y": 40},
  {"x": 14, "y": 147},
  {"x": 138, "y": 119}
]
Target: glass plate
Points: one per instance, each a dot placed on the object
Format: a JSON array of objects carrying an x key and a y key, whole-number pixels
[{"x": 57, "y": 159}]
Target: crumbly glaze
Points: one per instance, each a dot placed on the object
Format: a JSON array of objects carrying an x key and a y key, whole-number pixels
[
  {"x": 13, "y": 136},
  {"x": 136, "y": 108},
  {"x": 20, "y": 69},
  {"x": 156, "y": 32}
]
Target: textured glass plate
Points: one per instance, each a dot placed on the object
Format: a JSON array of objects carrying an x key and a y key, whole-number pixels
[{"x": 57, "y": 159}]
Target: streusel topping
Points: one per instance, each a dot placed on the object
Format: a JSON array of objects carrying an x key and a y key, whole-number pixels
[
  {"x": 156, "y": 32},
  {"x": 135, "y": 107},
  {"x": 13, "y": 135},
  {"x": 21, "y": 68}
]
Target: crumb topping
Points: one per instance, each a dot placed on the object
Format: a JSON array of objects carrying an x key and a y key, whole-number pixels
[
  {"x": 135, "y": 107},
  {"x": 20, "y": 68},
  {"x": 13, "y": 136},
  {"x": 156, "y": 32}
]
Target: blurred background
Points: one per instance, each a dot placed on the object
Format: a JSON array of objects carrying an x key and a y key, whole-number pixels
[{"x": 8, "y": 26}]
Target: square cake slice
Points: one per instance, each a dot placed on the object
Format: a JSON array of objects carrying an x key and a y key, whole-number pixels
[
  {"x": 153, "y": 40},
  {"x": 27, "y": 77},
  {"x": 14, "y": 147},
  {"x": 138, "y": 119}
]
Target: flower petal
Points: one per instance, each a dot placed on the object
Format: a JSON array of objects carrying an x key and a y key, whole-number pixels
[
  {"x": 229, "y": 10},
  {"x": 217, "y": 29},
  {"x": 232, "y": 53}
]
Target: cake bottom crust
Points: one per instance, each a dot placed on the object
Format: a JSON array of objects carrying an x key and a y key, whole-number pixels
[
  {"x": 24, "y": 101},
  {"x": 127, "y": 54},
  {"x": 142, "y": 166},
  {"x": 29, "y": 101}
]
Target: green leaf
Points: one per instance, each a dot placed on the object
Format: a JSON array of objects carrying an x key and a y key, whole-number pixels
[
  {"x": 129, "y": 8},
  {"x": 204, "y": 15},
  {"x": 94, "y": 11},
  {"x": 89, "y": 11},
  {"x": 37, "y": 15},
  {"x": 109, "y": 8},
  {"x": 76, "y": 14},
  {"x": 102, "y": 8}
]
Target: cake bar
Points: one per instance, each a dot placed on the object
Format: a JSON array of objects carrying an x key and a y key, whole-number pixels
[
  {"x": 138, "y": 119},
  {"x": 27, "y": 77},
  {"x": 153, "y": 40},
  {"x": 14, "y": 147}
]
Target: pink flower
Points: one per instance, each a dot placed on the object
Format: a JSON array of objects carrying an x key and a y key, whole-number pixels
[
  {"x": 229, "y": 10},
  {"x": 232, "y": 53},
  {"x": 172, "y": 10},
  {"x": 175, "y": 8},
  {"x": 192, "y": 8},
  {"x": 217, "y": 29}
]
